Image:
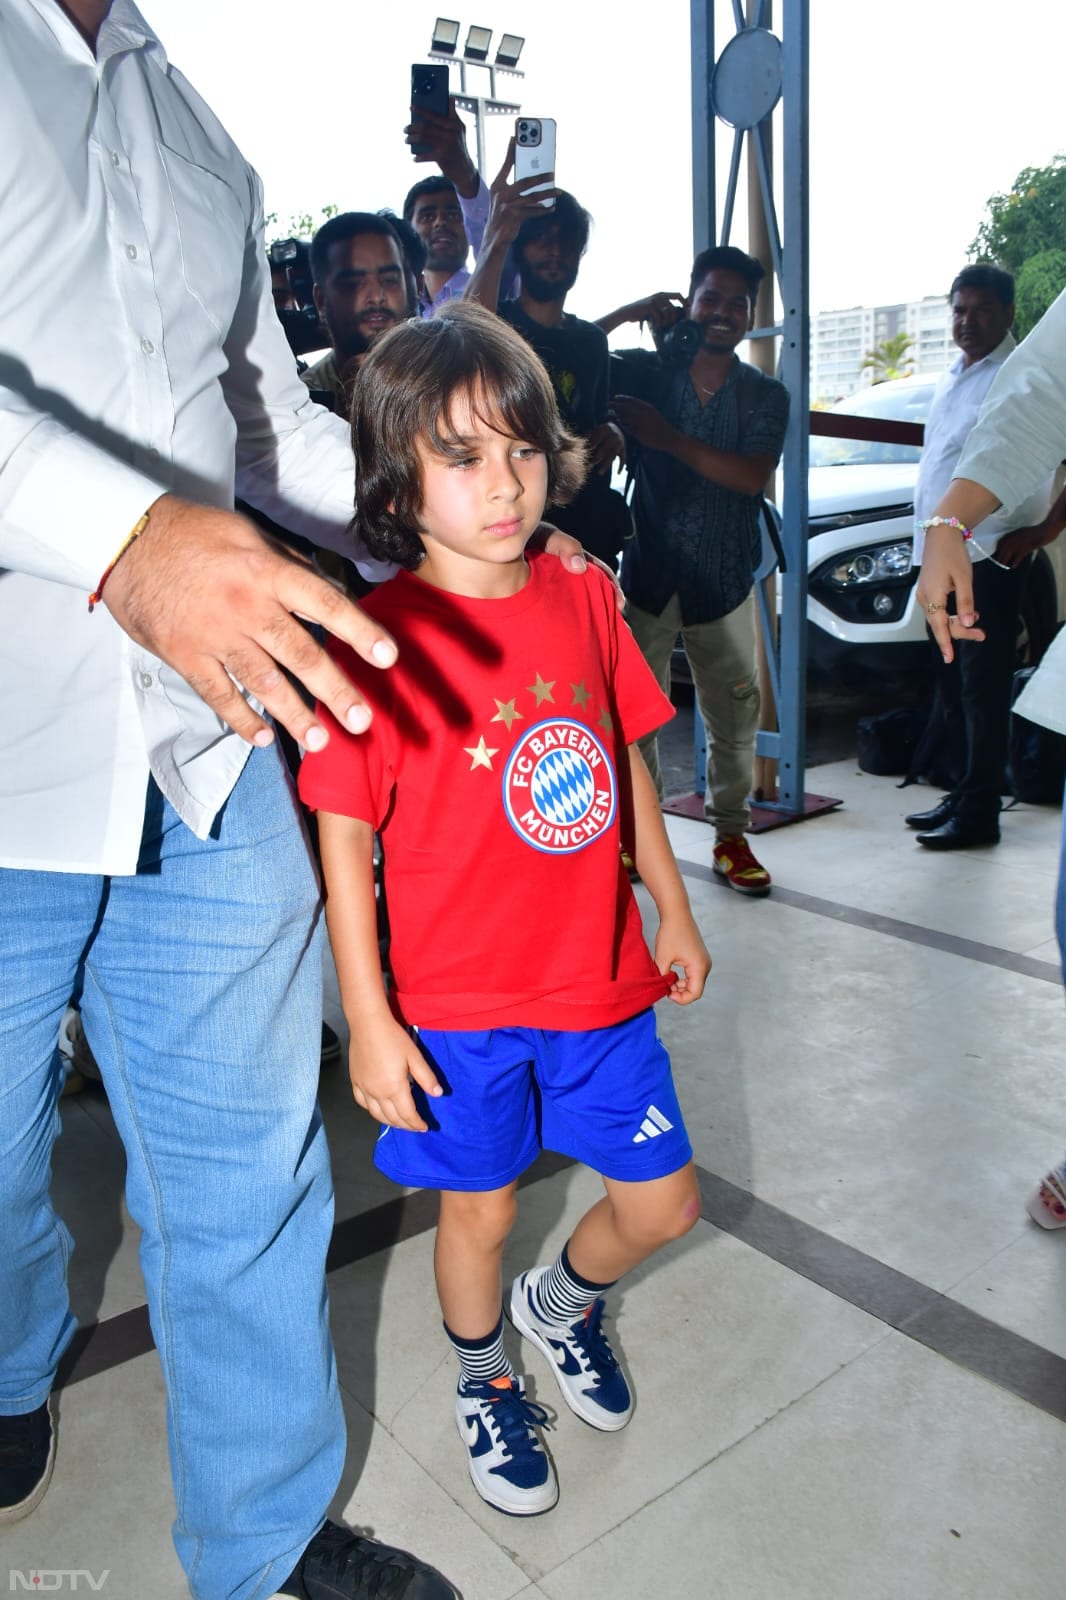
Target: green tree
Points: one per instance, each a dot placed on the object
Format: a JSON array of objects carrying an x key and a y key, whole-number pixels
[
  {"x": 1025, "y": 232},
  {"x": 302, "y": 226},
  {"x": 887, "y": 357}
]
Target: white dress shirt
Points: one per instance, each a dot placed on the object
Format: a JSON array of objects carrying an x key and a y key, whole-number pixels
[
  {"x": 139, "y": 353},
  {"x": 1021, "y": 436},
  {"x": 953, "y": 414}
]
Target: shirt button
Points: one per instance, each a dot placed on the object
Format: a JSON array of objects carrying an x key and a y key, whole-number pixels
[
  {"x": 116, "y": 159},
  {"x": 148, "y": 347},
  {"x": 146, "y": 680},
  {"x": 131, "y": 251},
  {"x": 153, "y": 453}
]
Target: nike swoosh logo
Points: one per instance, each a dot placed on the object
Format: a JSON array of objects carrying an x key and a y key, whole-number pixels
[
  {"x": 471, "y": 1430},
  {"x": 563, "y": 1358}
]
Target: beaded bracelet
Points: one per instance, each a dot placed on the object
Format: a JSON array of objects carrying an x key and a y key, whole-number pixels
[
  {"x": 946, "y": 522},
  {"x": 134, "y": 533}
]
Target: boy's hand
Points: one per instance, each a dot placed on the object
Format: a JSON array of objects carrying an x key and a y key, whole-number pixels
[
  {"x": 678, "y": 944},
  {"x": 382, "y": 1060}
]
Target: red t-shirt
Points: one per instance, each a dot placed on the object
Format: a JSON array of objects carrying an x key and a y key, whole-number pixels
[{"x": 496, "y": 772}]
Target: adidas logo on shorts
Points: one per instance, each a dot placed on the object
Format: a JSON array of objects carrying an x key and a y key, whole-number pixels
[{"x": 653, "y": 1125}]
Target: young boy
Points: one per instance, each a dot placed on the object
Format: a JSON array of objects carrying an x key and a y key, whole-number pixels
[{"x": 502, "y": 773}]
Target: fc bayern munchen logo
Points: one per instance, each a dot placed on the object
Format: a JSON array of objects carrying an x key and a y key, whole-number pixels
[{"x": 559, "y": 787}]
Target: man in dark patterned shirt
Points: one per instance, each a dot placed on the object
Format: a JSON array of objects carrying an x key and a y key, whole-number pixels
[{"x": 709, "y": 433}]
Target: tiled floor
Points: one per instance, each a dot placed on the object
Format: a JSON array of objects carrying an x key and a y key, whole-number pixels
[{"x": 867, "y": 1062}]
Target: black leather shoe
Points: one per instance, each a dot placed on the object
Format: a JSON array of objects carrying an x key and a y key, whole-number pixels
[
  {"x": 341, "y": 1565},
  {"x": 958, "y": 834},
  {"x": 935, "y": 817}
]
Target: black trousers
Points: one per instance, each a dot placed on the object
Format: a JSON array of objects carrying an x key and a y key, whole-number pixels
[{"x": 975, "y": 689}]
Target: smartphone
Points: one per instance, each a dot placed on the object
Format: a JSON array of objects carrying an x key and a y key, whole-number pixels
[
  {"x": 534, "y": 150},
  {"x": 429, "y": 92}
]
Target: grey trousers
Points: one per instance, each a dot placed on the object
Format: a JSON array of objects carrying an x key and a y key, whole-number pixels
[{"x": 721, "y": 655}]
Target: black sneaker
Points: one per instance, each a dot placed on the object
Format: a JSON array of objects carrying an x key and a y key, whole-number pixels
[
  {"x": 341, "y": 1565},
  {"x": 27, "y": 1455}
]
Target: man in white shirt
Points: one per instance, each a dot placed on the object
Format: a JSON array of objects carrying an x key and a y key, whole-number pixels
[
  {"x": 151, "y": 850},
  {"x": 976, "y": 687},
  {"x": 1020, "y": 436}
]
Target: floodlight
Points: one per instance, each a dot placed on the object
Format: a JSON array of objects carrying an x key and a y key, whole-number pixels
[
  {"x": 510, "y": 50},
  {"x": 445, "y": 36},
  {"x": 477, "y": 44}
]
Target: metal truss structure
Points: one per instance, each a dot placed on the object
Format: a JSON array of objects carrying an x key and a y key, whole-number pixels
[{"x": 739, "y": 89}]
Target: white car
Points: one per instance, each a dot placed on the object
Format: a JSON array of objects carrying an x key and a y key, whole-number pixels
[{"x": 865, "y": 628}]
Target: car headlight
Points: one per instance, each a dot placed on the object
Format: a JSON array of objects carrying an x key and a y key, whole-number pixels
[{"x": 875, "y": 564}]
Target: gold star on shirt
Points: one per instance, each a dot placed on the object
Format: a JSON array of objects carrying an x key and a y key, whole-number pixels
[
  {"x": 506, "y": 711},
  {"x": 542, "y": 691},
  {"x": 605, "y": 721},
  {"x": 581, "y": 694},
  {"x": 480, "y": 755}
]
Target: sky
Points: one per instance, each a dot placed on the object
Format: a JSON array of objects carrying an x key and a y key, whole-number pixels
[{"x": 919, "y": 111}]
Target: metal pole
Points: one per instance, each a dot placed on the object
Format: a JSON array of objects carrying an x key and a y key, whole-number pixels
[
  {"x": 762, "y": 355},
  {"x": 704, "y": 203},
  {"x": 795, "y": 373}
]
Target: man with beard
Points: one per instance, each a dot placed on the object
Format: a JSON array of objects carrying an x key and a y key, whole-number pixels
[
  {"x": 546, "y": 247},
  {"x": 709, "y": 434},
  {"x": 363, "y": 286}
]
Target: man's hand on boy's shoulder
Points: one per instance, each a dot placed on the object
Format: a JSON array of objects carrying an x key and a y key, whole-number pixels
[
  {"x": 680, "y": 947},
  {"x": 574, "y": 558},
  {"x": 382, "y": 1060}
]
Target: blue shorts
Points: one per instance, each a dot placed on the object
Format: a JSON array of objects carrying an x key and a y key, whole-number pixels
[{"x": 604, "y": 1096}]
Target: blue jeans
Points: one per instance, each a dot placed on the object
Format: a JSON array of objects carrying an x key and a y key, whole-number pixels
[{"x": 201, "y": 994}]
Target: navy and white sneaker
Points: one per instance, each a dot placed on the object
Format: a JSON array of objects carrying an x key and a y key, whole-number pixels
[
  {"x": 509, "y": 1467},
  {"x": 585, "y": 1367}
]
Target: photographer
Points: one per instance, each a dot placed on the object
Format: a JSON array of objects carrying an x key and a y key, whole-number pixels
[
  {"x": 546, "y": 246},
  {"x": 708, "y": 431},
  {"x": 291, "y": 287}
]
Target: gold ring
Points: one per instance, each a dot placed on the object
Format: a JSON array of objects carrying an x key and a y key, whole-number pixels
[{"x": 933, "y": 605}]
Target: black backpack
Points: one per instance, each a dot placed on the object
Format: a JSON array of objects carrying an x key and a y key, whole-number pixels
[{"x": 1036, "y": 770}]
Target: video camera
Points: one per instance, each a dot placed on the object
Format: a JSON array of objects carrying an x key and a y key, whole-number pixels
[{"x": 301, "y": 323}]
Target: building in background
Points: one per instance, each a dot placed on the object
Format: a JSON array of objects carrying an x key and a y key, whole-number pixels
[{"x": 841, "y": 341}]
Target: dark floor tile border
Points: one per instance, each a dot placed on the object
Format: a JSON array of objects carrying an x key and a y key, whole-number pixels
[
  {"x": 913, "y": 1309},
  {"x": 912, "y": 932},
  {"x": 101, "y": 1346},
  {"x": 922, "y": 1314}
]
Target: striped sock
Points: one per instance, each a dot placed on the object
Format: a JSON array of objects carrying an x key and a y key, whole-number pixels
[
  {"x": 481, "y": 1360},
  {"x": 562, "y": 1295}
]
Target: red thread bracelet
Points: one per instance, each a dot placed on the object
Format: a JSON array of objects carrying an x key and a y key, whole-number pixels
[{"x": 134, "y": 533}]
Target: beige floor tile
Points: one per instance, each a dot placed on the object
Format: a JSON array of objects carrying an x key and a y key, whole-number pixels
[
  {"x": 709, "y": 1365},
  {"x": 110, "y": 1505},
  {"x": 1024, "y": 1287},
  {"x": 389, "y": 1495},
  {"x": 927, "y": 1181},
  {"x": 900, "y": 1478}
]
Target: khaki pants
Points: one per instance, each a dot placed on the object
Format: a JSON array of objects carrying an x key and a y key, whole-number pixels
[{"x": 721, "y": 655}]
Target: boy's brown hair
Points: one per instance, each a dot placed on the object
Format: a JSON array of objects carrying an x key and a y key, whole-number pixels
[{"x": 405, "y": 391}]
